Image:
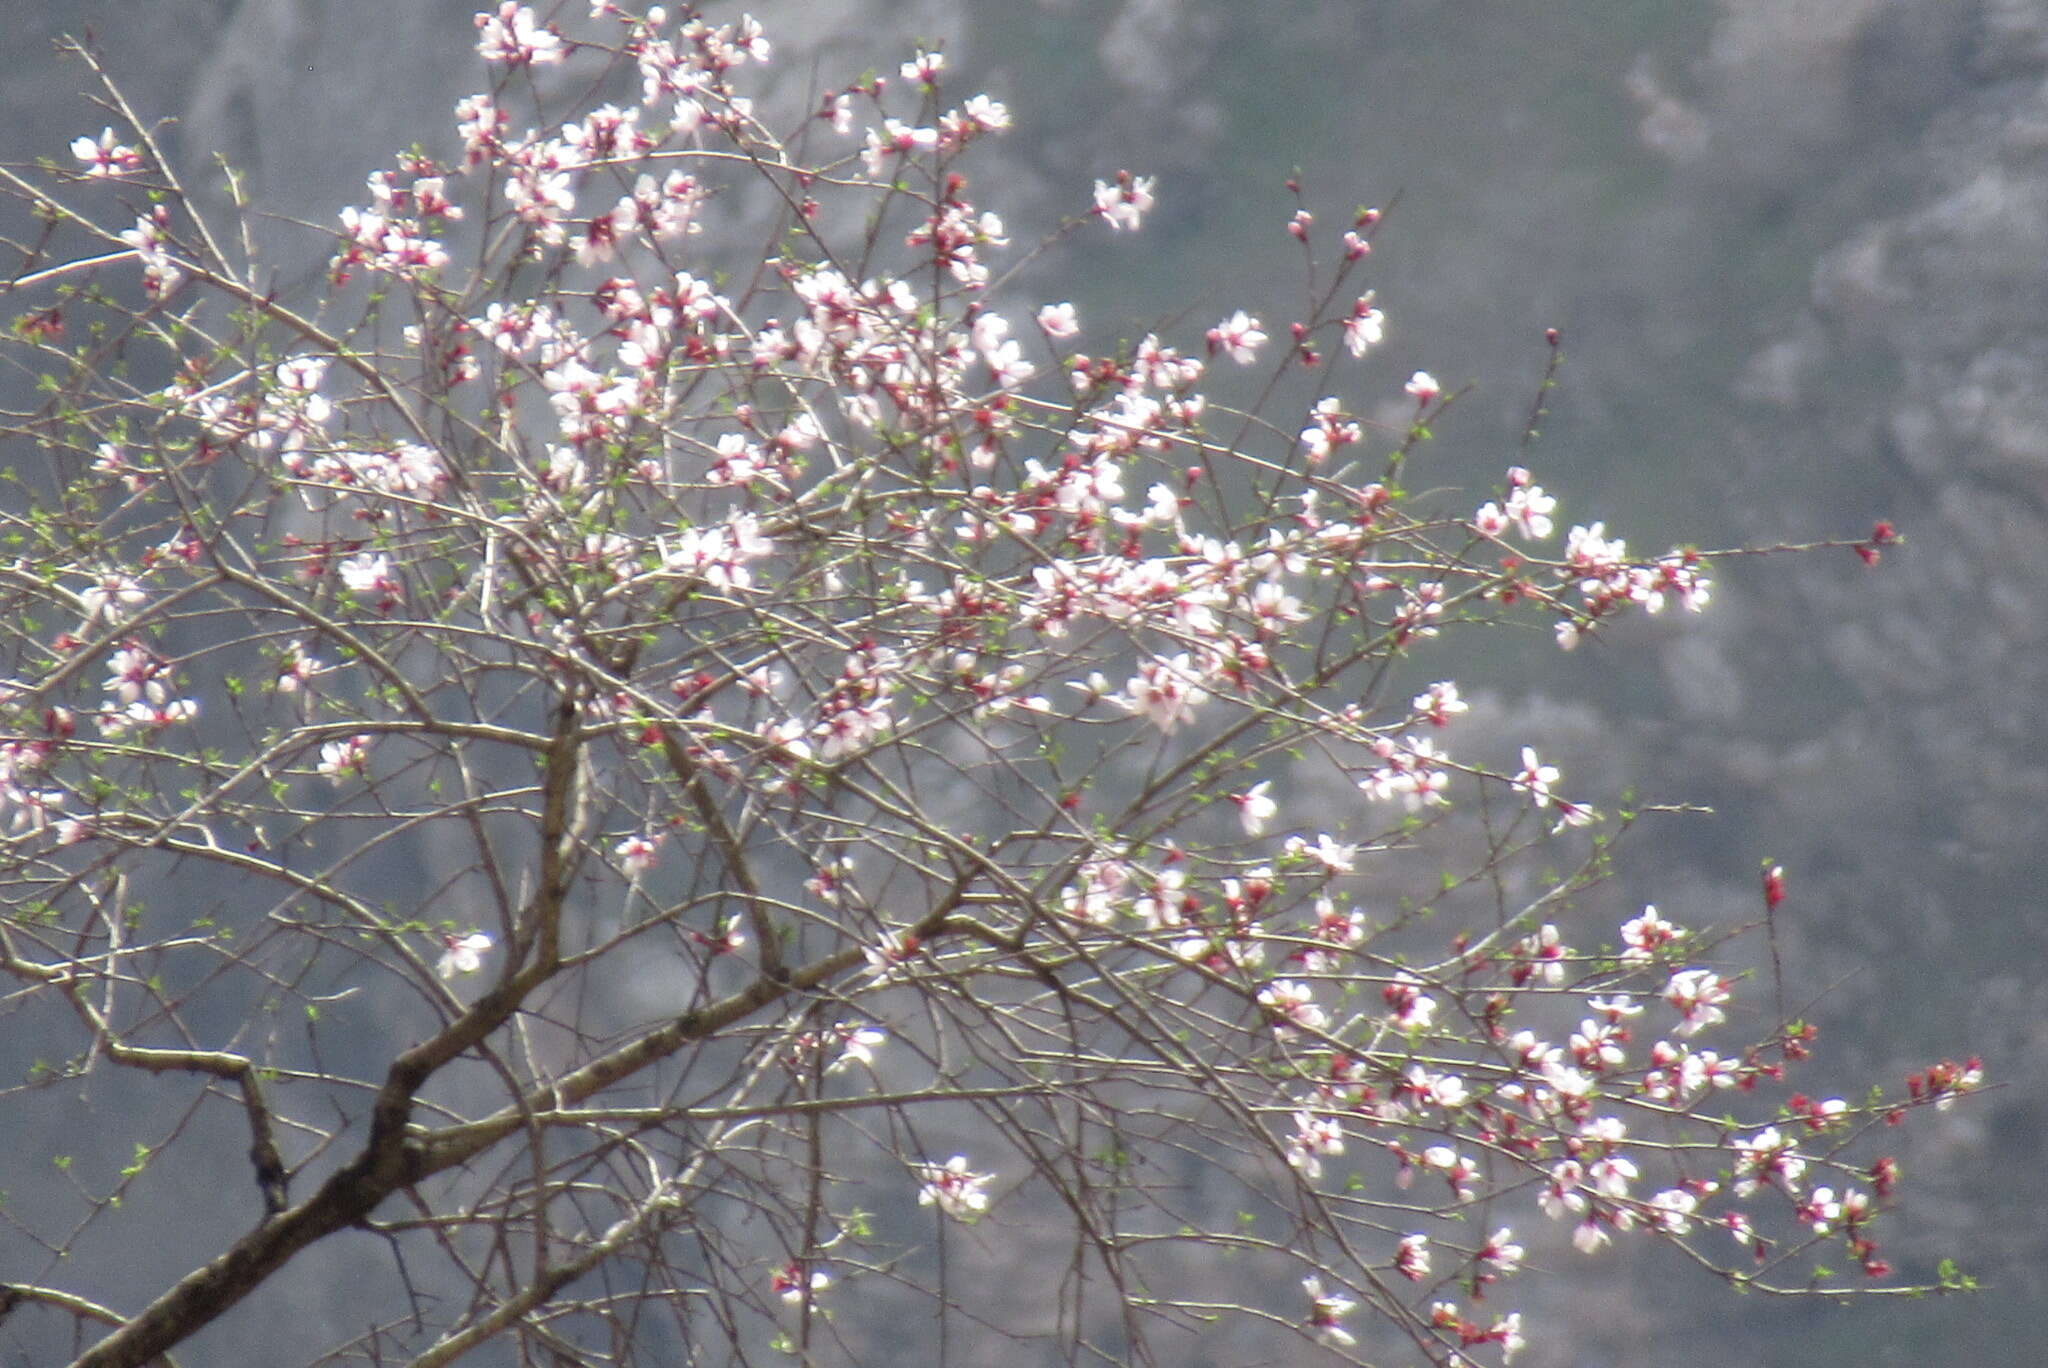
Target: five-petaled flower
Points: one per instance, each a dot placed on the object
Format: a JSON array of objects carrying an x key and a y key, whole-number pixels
[
  {"x": 1240, "y": 336},
  {"x": 954, "y": 1189},
  {"x": 103, "y": 156}
]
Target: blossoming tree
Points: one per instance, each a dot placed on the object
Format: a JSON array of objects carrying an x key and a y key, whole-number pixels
[{"x": 682, "y": 802}]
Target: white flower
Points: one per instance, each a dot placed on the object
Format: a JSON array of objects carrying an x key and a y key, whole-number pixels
[
  {"x": 110, "y": 596},
  {"x": 1535, "y": 778},
  {"x": 1164, "y": 691},
  {"x": 1059, "y": 320},
  {"x": 1254, "y": 808},
  {"x": 1294, "y": 1005},
  {"x": 1239, "y": 336},
  {"x": 1325, "y": 1310},
  {"x": 367, "y": 574},
  {"x": 1366, "y": 327},
  {"x": 514, "y": 37},
  {"x": 463, "y": 955},
  {"x": 103, "y": 156},
  {"x": 1699, "y": 994},
  {"x": 857, "y": 1046},
  {"x": 637, "y": 854},
  {"x": 789, "y": 1282},
  {"x": 347, "y": 756},
  {"x": 1314, "y": 1136},
  {"x": 1337, "y": 859},
  {"x": 955, "y": 1190},
  {"x": 1411, "y": 1257},
  {"x": 1125, "y": 203}
]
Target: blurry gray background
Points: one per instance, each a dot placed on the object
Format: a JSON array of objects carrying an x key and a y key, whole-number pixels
[{"x": 1798, "y": 250}]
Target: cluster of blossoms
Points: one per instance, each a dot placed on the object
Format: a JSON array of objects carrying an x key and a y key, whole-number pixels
[
  {"x": 138, "y": 696},
  {"x": 1563, "y": 1109},
  {"x": 886, "y": 659},
  {"x": 150, "y": 240},
  {"x": 25, "y": 807}
]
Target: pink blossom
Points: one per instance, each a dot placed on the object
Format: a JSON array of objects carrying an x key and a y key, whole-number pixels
[
  {"x": 1413, "y": 772},
  {"x": 482, "y": 125},
  {"x": 1460, "y": 1171},
  {"x": 1507, "y": 1333},
  {"x": 1767, "y": 1158},
  {"x": 1334, "y": 858},
  {"x": 1345, "y": 929},
  {"x": 1423, "y": 386},
  {"x": 1365, "y": 328},
  {"x": 1315, "y": 1138},
  {"x": 1560, "y": 1196},
  {"x": 953, "y": 1189},
  {"x": 1535, "y": 778},
  {"x": 1676, "y": 576},
  {"x": 1699, "y": 995},
  {"x": 1058, "y": 321},
  {"x": 1820, "y": 1210},
  {"x": 1546, "y": 952},
  {"x": 924, "y": 68},
  {"x": 793, "y": 1284},
  {"x": 145, "y": 716},
  {"x": 150, "y": 242},
  {"x": 345, "y": 757},
  {"x": 1411, "y": 1257},
  {"x": 637, "y": 854},
  {"x": 462, "y": 954},
  {"x": 103, "y": 156},
  {"x": 892, "y": 141},
  {"x": 368, "y": 573},
  {"x": 1326, "y": 1311},
  {"x": 1238, "y": 335},
  {"x": 296, "y": 669},
  {"x": 111, "y": 596},
  {"x": 979, "y": 115},
  {"x": 1329, "y": 428},
  {"x": 1414, "y": 1010},
  {"x": 1124, "y": 204},
  {"x": 1294, "y": 1005},
  {"x": 1501, "y": 1251},
  {"x": 514, "y": 37},
  {"x": 1254, "y": 808},
  {"x": 133, "y": 673},
  {"x": 857, "y": 1045},
  {"x": 1439, "y": 704},
  {"x": 1672, "y": 1211},
  {"x": 896, "y": 949},
  {"x": 1529, "y": 508},
  {"x": 1443, "y": 1090},
  {"x": 1647, "y": 934},
  {"x": 1164, "y": 692}
]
